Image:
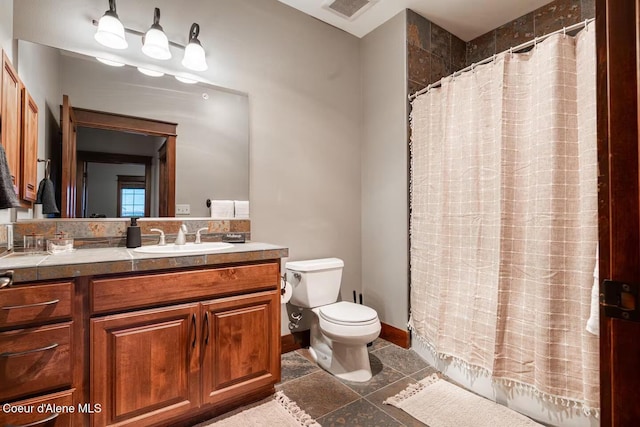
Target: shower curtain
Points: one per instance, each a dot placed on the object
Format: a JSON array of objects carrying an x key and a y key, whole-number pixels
[{"x": 504, "y": 219}]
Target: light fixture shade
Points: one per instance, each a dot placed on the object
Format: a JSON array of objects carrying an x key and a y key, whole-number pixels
[
  {"x": 150, "y": 73},
  {"x": 110, "y": 31},
  {"x": 110, "y": 62},
  {"x": 194, "y": 57},
  {"x": 155, "y": 43},
  {"x": 186, "y": 80}
]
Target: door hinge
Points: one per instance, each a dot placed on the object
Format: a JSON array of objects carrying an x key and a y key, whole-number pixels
[{"x": 620, "y": 300}]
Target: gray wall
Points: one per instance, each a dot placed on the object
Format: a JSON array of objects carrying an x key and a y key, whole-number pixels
[
  {"x": 103, "y": 186},
  {"x": 303, "y": 80},
  {"x": 6, "y": 27},
  {"x": 384, "y": 172}
]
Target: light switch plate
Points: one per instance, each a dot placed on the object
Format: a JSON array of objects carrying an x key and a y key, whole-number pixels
[{"x": 183, "y": 209}]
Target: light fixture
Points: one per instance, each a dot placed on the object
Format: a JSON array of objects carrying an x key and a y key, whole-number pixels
[
  {"x": 110, "y": 62},
  {"x": 185, "y": 80},
  {"x": 155, "y": 42},
  {"x": 110, "y": 30},
  {"x": 150, "y": 73},
  {"x": 194, "y": 58}
]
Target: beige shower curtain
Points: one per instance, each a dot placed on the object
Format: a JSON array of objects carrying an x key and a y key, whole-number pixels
[{"x": 504, "y": 219}]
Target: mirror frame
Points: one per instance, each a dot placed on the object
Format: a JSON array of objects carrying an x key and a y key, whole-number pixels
[{"x": 118, "y": 122}]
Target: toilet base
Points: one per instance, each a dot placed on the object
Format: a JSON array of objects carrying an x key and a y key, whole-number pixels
[{"x": 348, "y": 362}]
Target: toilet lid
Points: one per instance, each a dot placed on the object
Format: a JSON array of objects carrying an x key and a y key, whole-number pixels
[{"x": 348, "y": 312}]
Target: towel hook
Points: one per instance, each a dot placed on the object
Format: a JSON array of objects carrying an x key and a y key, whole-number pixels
[{"x": 47, "y": 167}]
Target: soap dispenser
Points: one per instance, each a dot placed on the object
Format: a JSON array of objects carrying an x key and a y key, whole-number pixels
[{"x": 134, "y": 237}]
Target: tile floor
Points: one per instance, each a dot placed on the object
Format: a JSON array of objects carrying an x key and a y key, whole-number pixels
[{"x": 335, "y": 402}]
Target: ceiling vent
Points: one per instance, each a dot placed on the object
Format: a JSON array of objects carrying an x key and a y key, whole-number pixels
[{"x": 348, "y": 9}]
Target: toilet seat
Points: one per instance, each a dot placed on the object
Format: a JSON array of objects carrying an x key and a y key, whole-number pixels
[{"x": 348, "y": 314}]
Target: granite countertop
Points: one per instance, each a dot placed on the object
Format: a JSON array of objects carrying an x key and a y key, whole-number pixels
[{"x": 29, "y": 267}]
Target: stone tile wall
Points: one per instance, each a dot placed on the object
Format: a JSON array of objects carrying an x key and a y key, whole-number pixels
[
  {"x": 546, "y": 19},
  {"x": 433, "y": 53},
  {"x": 112, "y": 233}
]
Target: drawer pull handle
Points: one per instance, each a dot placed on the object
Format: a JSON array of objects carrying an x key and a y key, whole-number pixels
[
  {"x": 6, "y": 279},
  {"x": 37, "y": 423},
  {"x": 38, "y": 304},
  {"x": 195, "y": 333},
  {"x": 35, "y": 350},
  {"x": 206, "y": 323}
]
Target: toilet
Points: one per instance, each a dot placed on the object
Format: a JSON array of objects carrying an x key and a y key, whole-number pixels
[{"x": 341, "y": 330}]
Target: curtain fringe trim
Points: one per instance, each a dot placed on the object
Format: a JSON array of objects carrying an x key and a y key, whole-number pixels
[
  {"x": 506, "y": 383},
  {"x": 294, "y": 410}
]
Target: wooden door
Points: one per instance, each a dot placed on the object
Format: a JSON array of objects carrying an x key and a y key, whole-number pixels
[
  {"x": 241, "y": 345},
  {"x": 618, "y": 38},
  {"x": 69, "y": 166},
  {"x": 10, "y": 114},
  {"x": 145, "y": 365},
  {"x": 29, "y": 160},
  {"x": 163, "y": 190}
]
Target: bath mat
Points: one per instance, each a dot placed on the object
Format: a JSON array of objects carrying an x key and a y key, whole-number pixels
[
  {"x": 439, "y": 403},
  {"x": 278, "y": 410}
]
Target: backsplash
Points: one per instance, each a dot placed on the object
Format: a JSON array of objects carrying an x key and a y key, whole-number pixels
[{"x": 112, "y": 233}]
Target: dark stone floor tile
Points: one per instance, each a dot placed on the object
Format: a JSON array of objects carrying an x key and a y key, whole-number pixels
[
  {"x": 318, "y": 393},
  {"x": 294, "y": 365},
  {"x": 424, "y": 373},
  {"x": 382, "y": 376},
  {"x": 359, "y": 413},
  {"x": 391, "y": 390},
  {"x": 379, "y": 343},
  {"x": 405, "y": 361}
]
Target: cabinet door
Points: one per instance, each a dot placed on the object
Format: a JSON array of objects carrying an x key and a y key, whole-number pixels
[
  {"x": 29, "y": 147},
  {"x": 145, "y": 365},
  {"x": 241, "y": 345},
  {"x": 11, "y": 102}
]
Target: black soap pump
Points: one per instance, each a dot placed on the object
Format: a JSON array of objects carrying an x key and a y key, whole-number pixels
[{"x": 134, "y": 237}]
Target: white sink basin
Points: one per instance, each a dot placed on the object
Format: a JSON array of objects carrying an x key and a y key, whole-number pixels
[{"x": 189, "y": 248}]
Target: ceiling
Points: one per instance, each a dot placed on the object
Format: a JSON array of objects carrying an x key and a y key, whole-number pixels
[{"x": 466, "y": 19}]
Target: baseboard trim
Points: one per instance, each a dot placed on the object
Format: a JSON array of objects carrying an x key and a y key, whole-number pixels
[
  {"x": 302, "y": 339},
  {"x": 294, "y": 341},
  {"x": 399, "y": 337}
]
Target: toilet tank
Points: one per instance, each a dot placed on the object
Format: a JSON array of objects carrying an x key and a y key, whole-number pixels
[{"x": 314, "y": 282}]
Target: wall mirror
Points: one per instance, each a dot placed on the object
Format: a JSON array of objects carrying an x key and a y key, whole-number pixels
[{"x": 211, "y": 142}]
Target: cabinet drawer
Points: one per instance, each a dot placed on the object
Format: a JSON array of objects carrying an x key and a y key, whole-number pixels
[
  {"x": 149, "y": 290},
  {"x": 35, "y": 360},
  {"x": 38, "y": 412},
  {"x": 22, "y": 305}
]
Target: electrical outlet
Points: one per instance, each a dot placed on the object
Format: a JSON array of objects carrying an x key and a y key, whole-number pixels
[{"x": 183, "y": 209}]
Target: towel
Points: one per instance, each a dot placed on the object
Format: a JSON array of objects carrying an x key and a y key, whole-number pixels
[
  {"x": 241, "y": 208},
  {"x": 8, "y": 198},
  {"x": 593, "y": 324},
  {"x": 46, "y": 196},
  {"x": 222, "y": 209}
]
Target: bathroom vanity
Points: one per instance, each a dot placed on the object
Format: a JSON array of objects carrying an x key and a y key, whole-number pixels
[{"x": 113, "y": 337}]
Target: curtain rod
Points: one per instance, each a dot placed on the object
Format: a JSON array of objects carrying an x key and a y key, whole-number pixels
[{"x": 492, "y": 58}]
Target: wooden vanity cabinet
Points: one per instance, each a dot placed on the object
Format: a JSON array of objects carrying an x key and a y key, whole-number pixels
[
  {"x": 37, "y": 353},
  {"x": 214, "y": 341},
  {"x": 10, "y": 115},
  {"x": 19, "y": 131},
  {"x": 29, "y": 148}
]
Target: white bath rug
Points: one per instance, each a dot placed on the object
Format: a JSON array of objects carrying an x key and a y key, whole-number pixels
[
  {"x": 438, "y": 403},
  {"x": 276, "y": 411}
]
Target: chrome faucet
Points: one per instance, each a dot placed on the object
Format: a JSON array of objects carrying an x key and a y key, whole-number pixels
[
  {"x": 181, "y": 239},
  {"x": 200, "y": 230},
  {"x": 161, "y": 242}
]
